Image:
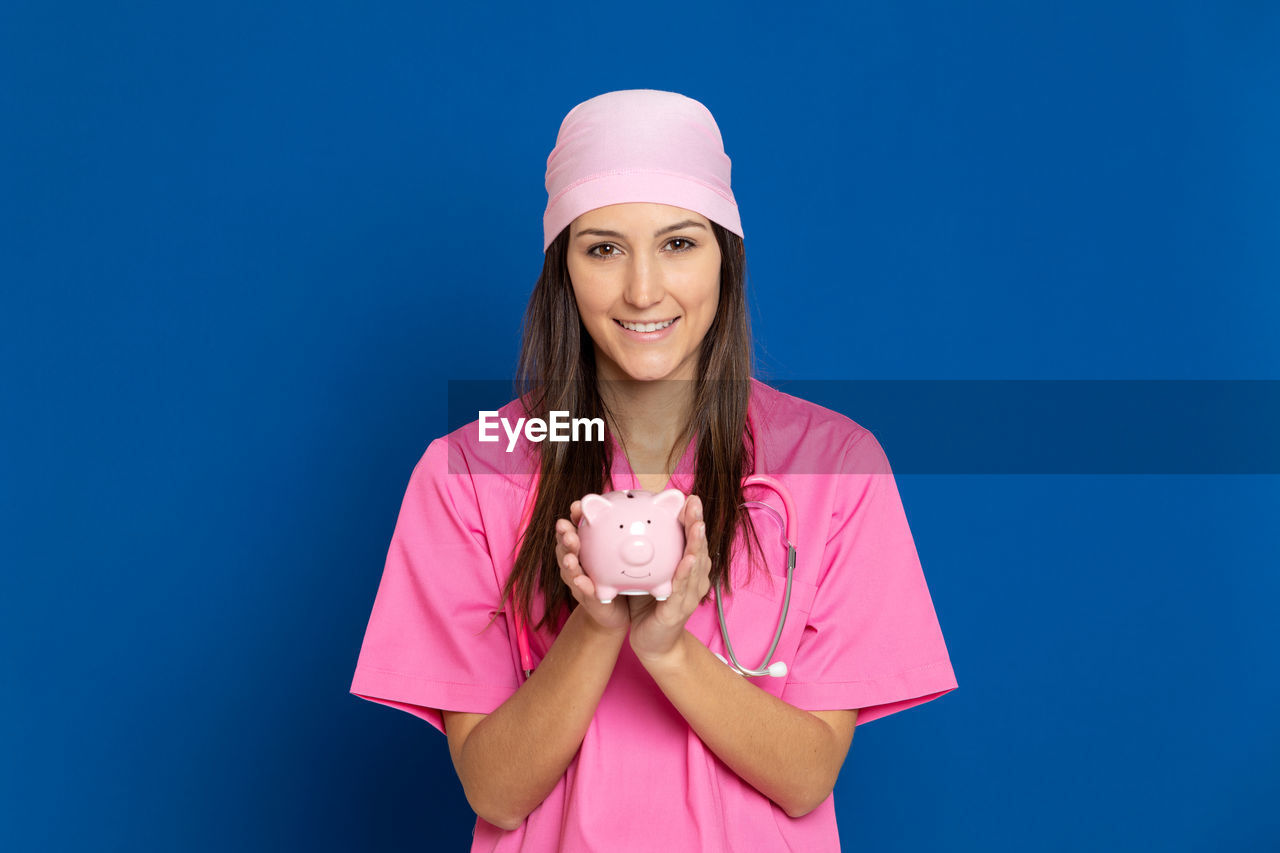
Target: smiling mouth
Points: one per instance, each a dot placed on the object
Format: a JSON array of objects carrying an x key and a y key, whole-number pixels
[
  {"x": 645, "y": 575},
  {"x": 646, "y": 327}
]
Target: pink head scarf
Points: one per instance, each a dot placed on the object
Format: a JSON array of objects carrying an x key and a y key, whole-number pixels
[{"x": 638, "y": 145}]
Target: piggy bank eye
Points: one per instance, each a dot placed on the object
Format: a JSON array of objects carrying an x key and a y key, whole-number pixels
[
  {"x": 619, "y": 526},
  {"x": 648, "y": 521},
  {"x": 630, "y": 495}
]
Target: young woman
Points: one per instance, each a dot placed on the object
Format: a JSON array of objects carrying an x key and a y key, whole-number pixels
[{"x": 575, "y": 725}]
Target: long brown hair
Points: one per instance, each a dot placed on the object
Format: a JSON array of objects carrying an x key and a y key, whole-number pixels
[{"x": 557, "y": 371}]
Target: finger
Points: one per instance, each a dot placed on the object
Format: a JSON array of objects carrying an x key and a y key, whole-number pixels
[
  {"x": 578, "y": 577},
  {"x": 570, "y": 573},
  {"x": 571, "y": 541},
  {"x": 704, "y": 556},
  {"x": 689, "y": 539},
  {"x": 687, "y": 567},
  {"x": 693, "y": 513},
  {"x": 572, "y": 568},
  {"x": 704, "y": 562},
  {"x": 693, "y": 543},
  {"x": 692, "y": 510},
  {"x": 565, "y": 574},
  {"x": 694, "y": 547},
  {"x": 680, "y": 580},
  {"x": 561, "y": 529},
  {"x": 575, "y": 512},
  {"x": 700, "y": 574}
]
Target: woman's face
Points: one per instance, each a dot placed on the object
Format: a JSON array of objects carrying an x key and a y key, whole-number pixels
[{"x": 658, "y": 263}]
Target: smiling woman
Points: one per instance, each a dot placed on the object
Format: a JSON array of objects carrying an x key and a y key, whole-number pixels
[
  {"x": 646, "y": 307},
  {"x": 577, "y": 724}
]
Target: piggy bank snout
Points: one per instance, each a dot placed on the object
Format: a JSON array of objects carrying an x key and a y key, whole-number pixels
[{"x": 637, "y": 551}]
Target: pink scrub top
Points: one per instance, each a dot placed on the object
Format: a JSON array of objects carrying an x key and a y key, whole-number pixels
[{"x": 861, "y": 633}]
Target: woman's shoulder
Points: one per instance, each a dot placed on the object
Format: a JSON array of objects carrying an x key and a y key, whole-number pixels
[{"x": 787, "y": 419}]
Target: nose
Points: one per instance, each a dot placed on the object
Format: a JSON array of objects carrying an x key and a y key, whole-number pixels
[
  {"x": 644, "y": 284},
  {"x": 637, "y": 551}
]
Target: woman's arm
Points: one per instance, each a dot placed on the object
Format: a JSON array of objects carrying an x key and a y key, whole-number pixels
[
  {"x": 510, "y": 760},
  {"x": 790, "y": 755},
  {"x": 514, "y": 757}
]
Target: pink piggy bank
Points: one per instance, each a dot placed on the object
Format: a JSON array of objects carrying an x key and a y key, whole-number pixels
[{"x": 631, "y": 542}]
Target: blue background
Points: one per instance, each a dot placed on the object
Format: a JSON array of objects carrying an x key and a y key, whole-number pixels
[{"x": 244, "y": 247}]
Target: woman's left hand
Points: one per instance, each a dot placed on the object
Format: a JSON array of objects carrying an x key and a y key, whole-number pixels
[{"x": 656, "y": 626}]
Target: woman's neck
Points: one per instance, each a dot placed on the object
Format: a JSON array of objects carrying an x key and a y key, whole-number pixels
[{"x": 649, "y": 417}]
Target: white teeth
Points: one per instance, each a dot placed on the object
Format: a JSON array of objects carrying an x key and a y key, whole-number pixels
[{"x": 646, "y": 327}]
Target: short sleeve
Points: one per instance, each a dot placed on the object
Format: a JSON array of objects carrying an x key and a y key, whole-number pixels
[
  {"x": 429, "y": 644},
  {"x": 872, "y": 640}
]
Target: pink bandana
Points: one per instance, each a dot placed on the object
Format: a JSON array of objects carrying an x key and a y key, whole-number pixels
[{"x": 640, "y": 145}]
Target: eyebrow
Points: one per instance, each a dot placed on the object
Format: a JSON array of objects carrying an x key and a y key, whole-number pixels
[{"x": 688, "y": 223}]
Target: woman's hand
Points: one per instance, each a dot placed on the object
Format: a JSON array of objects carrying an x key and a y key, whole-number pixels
[
  {"x": 656, "y": 626},
  {"x": 613, "y": 616}
]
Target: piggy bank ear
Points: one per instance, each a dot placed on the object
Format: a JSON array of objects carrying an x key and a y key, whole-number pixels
[
  {"x": 594, "y": 507},
  {"x": 671, "y": 499}
]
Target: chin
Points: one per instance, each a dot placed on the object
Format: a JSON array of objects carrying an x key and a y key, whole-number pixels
[
  {"x": 643, "y": 375},
  {"x": 656, "y": 375}
]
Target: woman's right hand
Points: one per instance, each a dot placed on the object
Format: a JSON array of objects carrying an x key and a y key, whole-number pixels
[{"x": 614, "y": 616}]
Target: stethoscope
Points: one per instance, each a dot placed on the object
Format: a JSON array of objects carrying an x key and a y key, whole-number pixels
[{"x": 788, "y": 526}]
